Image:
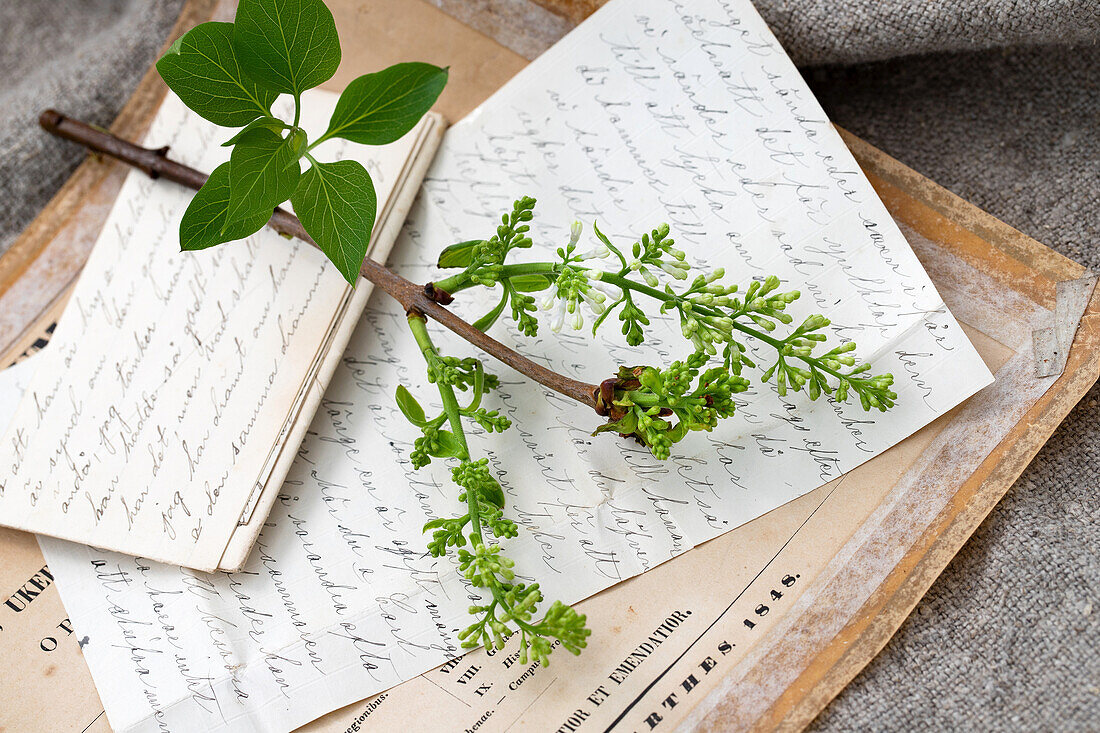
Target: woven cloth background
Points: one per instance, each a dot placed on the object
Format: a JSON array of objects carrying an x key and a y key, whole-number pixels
[{"x": 998, "y": 101}]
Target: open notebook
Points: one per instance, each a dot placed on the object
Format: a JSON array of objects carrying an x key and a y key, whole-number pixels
[{"x": 179, "y": 386}]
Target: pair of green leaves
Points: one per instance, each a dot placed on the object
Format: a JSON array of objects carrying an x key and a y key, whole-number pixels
[
  {"x": 443, "y": 443},
  {"x": 231, "y": 73}
]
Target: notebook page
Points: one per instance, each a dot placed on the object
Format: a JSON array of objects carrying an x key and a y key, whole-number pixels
[{"x": 175, "y": 372}]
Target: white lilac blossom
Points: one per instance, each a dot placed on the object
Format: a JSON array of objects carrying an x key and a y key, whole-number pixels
[
  {"x": 657, "y": 406},
  {"x": 713, "y": 316}
]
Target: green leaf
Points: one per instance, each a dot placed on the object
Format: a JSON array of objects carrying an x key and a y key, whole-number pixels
[
  {"x": 204, "y": 222},
  {"x": 529, "y": 283},
  {"x": 271, "y": 123},
  {"x": 487, "y": 320},
  {"x": 336, "y": 204},
  {"x": 448, "y": 445},
  {"x": 459, "y": 254},
  {"x": 263, "y": 172},
  {"x": 378, "y": 108},
  {"x": 286, "y": 45},
  {"x": 202, "y": 69},
  {"x": 492, "y": 493},
  {"x": 410, "y": 408}
]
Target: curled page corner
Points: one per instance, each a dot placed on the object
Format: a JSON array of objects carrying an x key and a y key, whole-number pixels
[{"x": 1052, "y": 343}]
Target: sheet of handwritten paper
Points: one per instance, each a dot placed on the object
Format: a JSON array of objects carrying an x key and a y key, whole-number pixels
[
  {"x": 647, "y": 112},
  {"x": 13, "y": 385},
  {"x": 177, "y": 376}
]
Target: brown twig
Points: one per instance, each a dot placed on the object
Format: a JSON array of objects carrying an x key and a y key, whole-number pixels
[{"x": 426, "y": 299}]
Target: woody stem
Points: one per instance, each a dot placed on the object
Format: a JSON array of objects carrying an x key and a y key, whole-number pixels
[{"x": 426, "y": 300}]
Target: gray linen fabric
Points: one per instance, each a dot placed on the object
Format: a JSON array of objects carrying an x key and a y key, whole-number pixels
[
  {"x": 832, "y": 32},
  {"x": 84, "y": 57},
  {"x": 1008, "y": 638},
  {"x": 997, "y": 101}
]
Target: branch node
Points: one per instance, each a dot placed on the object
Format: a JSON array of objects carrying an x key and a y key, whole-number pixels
[
  {"x": 604, "y": 395},
  {"x": 438, "y": 295}
]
